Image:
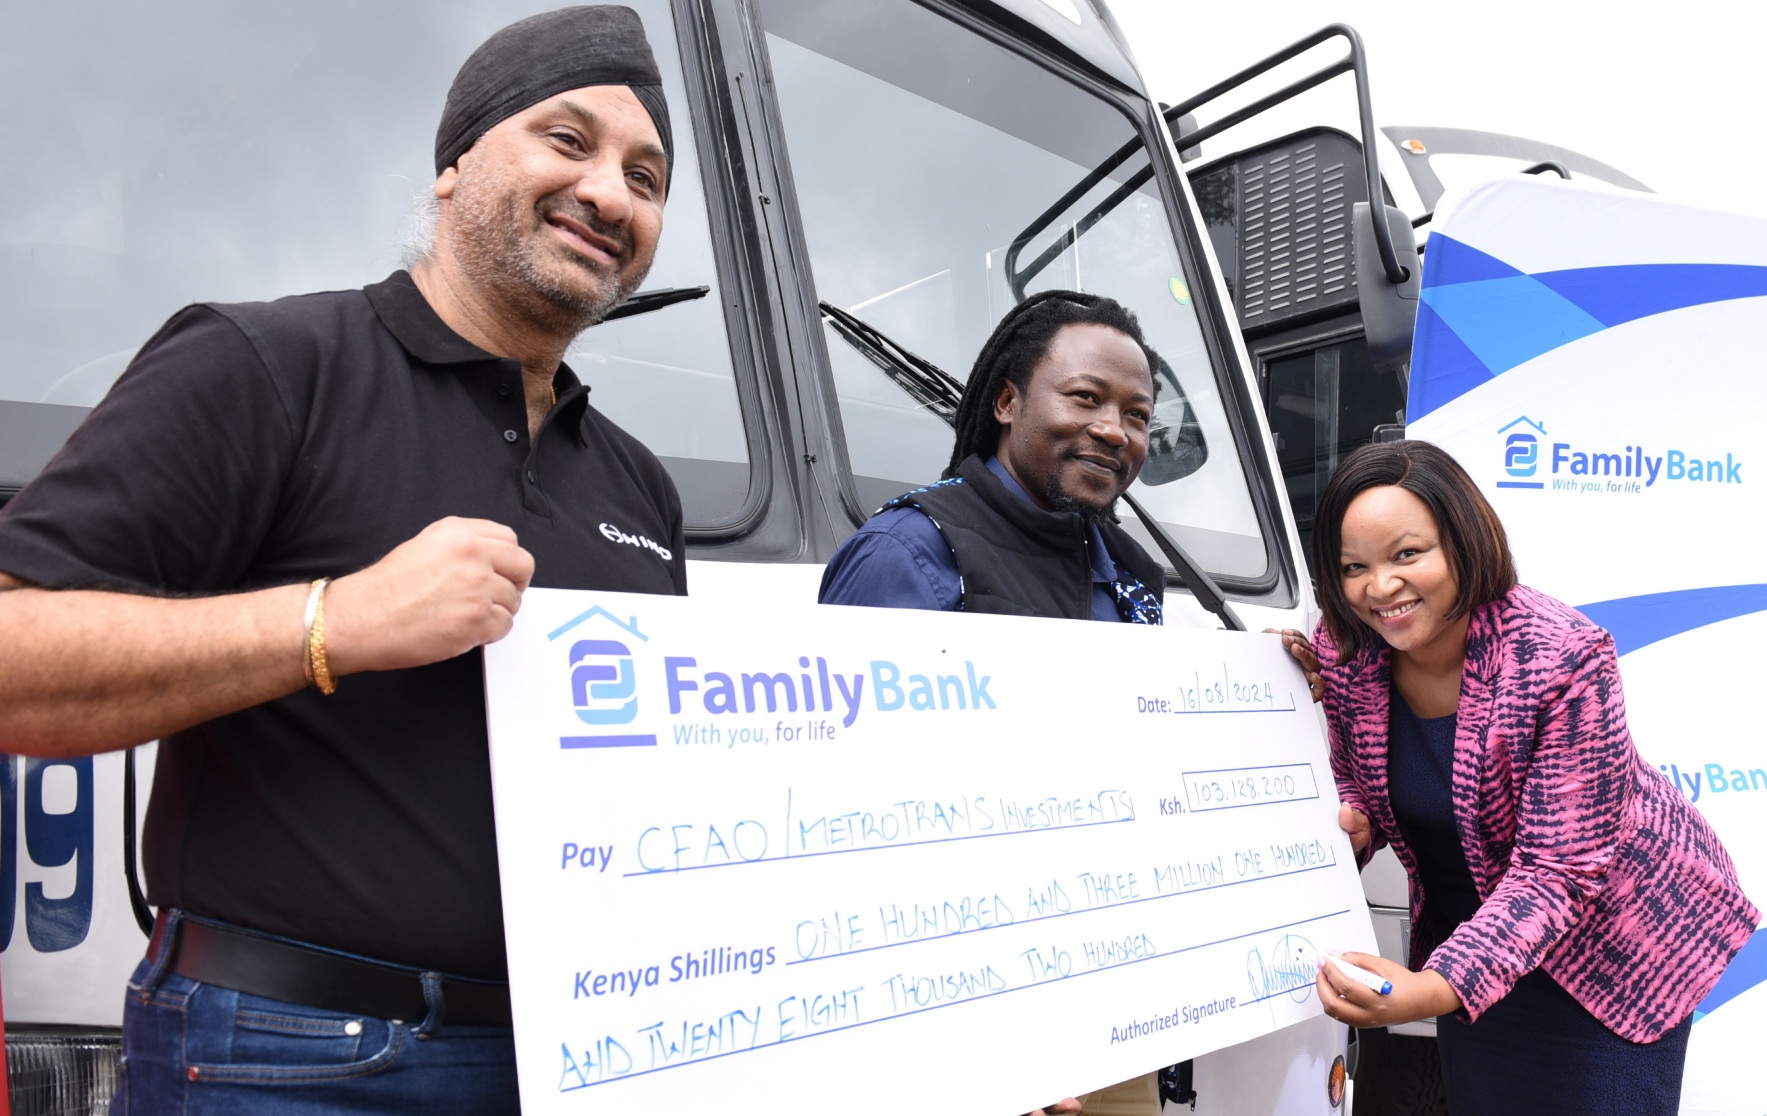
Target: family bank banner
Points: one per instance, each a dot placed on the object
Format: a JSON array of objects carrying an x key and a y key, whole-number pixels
[
  {"x": 781, "y": 858},
  {"x": 1598, "y": 362}
]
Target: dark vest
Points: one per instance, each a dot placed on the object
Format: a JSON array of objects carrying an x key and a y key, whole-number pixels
[{"x": 1014, "y": 557}]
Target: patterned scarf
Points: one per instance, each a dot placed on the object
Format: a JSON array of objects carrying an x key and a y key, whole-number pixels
[{"x": 1136, "y": 603}]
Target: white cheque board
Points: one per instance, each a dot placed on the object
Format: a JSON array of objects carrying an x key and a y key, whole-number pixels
[{"x": 781, "y": 857}]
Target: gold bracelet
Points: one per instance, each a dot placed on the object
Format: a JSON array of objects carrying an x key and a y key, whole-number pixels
[
  {"x": 307, "y": 634},
  {"x": 316, "y": 668}
]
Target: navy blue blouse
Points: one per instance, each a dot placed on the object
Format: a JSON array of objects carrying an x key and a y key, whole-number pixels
[{"x": 1420, "y": 777}]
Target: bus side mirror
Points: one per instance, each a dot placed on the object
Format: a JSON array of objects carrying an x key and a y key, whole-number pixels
[{"x": 1389, "y": 310}]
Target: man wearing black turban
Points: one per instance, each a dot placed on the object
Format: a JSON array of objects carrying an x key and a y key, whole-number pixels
[
  {"x": 521, "y": 226},
  {"x": 277, "y": 546}
]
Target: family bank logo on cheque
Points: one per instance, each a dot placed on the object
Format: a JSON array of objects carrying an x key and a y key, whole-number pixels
[
  {"x": 1534, "y": 459},
  {"x": 604, "y": 676},
  {"x": 603, "y": 679}
]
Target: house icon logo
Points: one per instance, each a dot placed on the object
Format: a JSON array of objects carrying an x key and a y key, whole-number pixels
[
  {"x": 1521, "y": 453},
  {"x": 602, "y": 678}
]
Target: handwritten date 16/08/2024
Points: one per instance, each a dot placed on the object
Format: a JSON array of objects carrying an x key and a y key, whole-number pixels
[{"x": 1222, "y": 693}]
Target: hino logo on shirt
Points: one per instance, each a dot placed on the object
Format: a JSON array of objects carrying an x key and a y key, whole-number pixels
[{"x": 614, "y": 534}]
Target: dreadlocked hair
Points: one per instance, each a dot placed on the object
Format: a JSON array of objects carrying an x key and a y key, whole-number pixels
[{"x": 1015, "y": 348}]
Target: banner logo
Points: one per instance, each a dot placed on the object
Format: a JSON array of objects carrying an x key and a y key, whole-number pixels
[
  {"x": 1521, "y": 453},
  {"x": 1533, "y": 460},
  {"x": 603, "y": 678}
]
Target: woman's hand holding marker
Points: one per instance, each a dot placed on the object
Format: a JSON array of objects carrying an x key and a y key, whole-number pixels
[{"x": 1367, "y": 991}]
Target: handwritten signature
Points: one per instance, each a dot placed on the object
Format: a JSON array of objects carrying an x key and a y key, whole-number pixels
[{"x": 1288, "y": 966}]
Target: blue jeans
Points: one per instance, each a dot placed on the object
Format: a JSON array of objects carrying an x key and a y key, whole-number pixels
[{"x": 198, "y": 1049}]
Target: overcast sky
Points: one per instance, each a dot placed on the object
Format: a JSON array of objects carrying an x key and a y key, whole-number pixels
[{"x": 1670, "y": 94}]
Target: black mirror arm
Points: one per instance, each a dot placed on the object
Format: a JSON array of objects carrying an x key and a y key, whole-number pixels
[
  {"x": 131, "y": 872},
  {"x": 1195, "y": 578}
]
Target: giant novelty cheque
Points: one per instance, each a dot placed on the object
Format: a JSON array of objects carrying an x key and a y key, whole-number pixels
[{"x": 770, "y": 856}]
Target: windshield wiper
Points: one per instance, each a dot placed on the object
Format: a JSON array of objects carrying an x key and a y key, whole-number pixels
[
  {"x": 646, "y": 301},
  {"x": 925, "y": 382}
]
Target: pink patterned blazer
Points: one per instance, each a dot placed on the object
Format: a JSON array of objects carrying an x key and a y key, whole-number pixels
[{"x": 1589, "y": 864}]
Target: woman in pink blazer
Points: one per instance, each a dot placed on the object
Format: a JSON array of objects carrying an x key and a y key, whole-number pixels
[{"x": 1569, "y": 908}]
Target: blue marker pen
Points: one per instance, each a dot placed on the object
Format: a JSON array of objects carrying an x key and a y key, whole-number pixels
[{"x": 1360, "y": 975}]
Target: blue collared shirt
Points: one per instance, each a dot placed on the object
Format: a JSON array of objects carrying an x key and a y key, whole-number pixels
[{"x": 900, "y": 560}]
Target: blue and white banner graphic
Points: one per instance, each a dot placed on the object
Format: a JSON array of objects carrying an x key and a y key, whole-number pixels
[
  {"x": 925, "y": 862},
  {"x": 68, "y": 938},
  {"x": 1598, "y": 362}
]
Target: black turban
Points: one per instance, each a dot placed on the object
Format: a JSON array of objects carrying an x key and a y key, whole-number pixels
[{"x": 542, "y": 56}]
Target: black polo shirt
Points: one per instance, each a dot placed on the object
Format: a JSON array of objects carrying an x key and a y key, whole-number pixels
[{"x": 262, "y": 444}]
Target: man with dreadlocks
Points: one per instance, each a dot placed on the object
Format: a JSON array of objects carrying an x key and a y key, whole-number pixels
[{"x": 1052, "y": 428}]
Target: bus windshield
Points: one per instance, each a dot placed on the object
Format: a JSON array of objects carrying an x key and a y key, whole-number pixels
[{"x": 921, "y": 153}]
